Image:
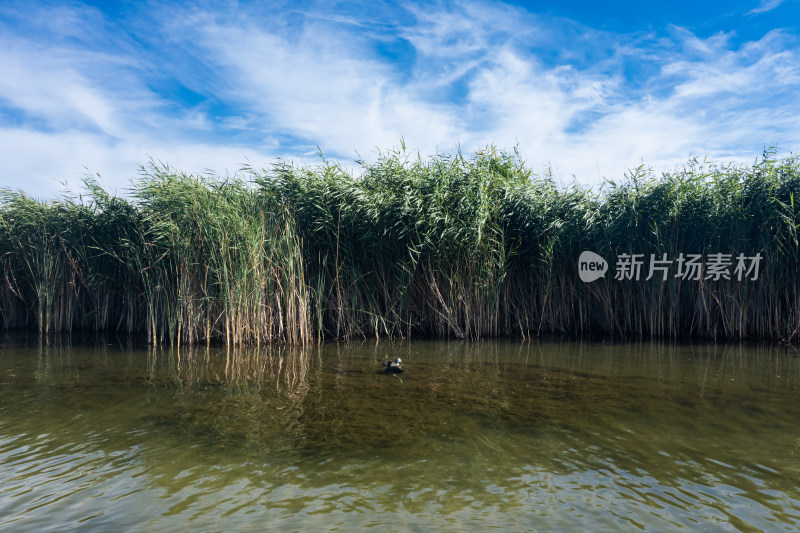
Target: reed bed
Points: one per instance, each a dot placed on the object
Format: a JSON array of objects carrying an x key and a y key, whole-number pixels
[{"x": 447, "y": 246}]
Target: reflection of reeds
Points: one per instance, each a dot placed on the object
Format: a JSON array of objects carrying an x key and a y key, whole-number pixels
[
  {"x": 282, "y": 371},
  {"x": 242, "y": 396},
  {"x": 449, "y": 246}
]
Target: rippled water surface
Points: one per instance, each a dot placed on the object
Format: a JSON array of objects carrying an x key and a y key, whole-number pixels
[{"x": 518, "y": 436}]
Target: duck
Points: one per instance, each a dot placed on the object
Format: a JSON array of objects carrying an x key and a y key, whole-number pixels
[{"x": 393, "y": 367}]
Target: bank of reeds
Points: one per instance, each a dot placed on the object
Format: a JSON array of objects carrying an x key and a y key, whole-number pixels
[{"x": 447, "y": 246}]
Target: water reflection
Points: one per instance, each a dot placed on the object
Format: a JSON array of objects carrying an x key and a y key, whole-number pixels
[{"x": 555, "y": 435}]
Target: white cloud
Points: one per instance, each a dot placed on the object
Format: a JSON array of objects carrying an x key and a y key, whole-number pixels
[
  {"x": 46, "y": 86},
  {"x": 318, "y": 86},
  {"x": 43, "y": 164},
  {"x": 764, "y": 6}
]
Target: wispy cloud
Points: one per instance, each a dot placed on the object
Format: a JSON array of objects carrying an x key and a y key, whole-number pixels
[
  {"x": 212, "y": 87},
  {"x": 766, "y": 5}
]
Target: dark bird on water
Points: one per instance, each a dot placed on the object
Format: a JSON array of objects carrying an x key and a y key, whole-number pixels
[{"x": 393, "y": 367}]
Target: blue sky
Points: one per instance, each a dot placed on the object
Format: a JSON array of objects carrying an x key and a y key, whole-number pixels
[{"x": 589, "y": 89}]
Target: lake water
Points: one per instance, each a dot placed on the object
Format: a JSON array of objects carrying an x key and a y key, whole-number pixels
[{"x": 472, "y": 436}]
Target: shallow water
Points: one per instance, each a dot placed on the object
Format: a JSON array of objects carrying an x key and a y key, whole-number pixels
[{"x": 522, "y": 436}]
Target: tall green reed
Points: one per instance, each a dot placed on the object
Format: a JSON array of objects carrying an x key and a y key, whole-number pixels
[{"x": 444, "y": 246}]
